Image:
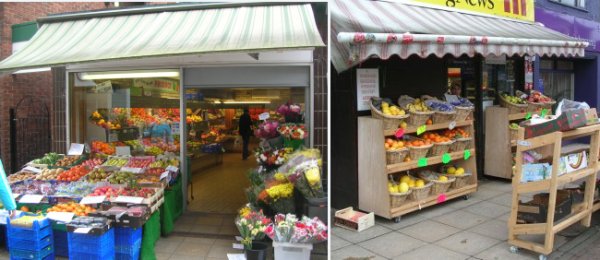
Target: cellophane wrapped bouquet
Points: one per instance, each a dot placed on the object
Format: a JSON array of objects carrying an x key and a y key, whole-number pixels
[
  {"x": 278, "y": 193},
  {"x": 293, "y": 131},
  {"x": 289, "y": 229},
  {"x": 303, "y": 169},
  {"x": 251, "y": 224},
  {"x": 267, "y": 130}
]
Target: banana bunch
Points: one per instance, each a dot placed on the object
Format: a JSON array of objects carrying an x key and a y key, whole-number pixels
[
  {"x": 391, "y": 110},
  {"x": 417, "y": 106}
]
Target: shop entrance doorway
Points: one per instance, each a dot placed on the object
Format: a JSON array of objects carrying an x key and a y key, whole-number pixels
[
  {"x": 218, "y": 169},
  {"x": 29, "y": 131}
]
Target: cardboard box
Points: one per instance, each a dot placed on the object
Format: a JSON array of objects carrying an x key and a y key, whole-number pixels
[
  {"x": 573, "y": 162},
  {"x": 536, "y": 210},
  {"x": 535, "y": 172},
  {"x": 354, "y": 220},
  {"x": 568, "y": 120}
]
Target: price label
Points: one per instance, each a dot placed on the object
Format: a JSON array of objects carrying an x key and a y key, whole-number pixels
[
  {"x": 421, "y": 129},
  {"x": 441, "y": 198},
  {"x": 31, "y": 169},
  {"x": 238, "y": 246},
  {"x": 528, "y": 116},
  {"x": 544, "y": 112},
  {"x": 399, "y": 133},
  {"x": 76, "y": 149},
  {"x": 467, "y": 154},
  {"x": 446, "y": 158},
  {"x": 167, "y": 175},
  {"x": 65, "y": 217},
  {"x": 123, "y": 151},
  {"x": 92, "y": 200},
  {"x": 238, "y": 238},
  {"x": 422, "y": 162},
  {"x": 172, "y": 168},
  {"x": 16, "y": 195},
  {"x": 82, "y": 230},
  {"x": 31, "y": 198},
  {"x": 452, "y": 125},
  {"x": 132, "y": 170},
  {"x": 264, "y": 116},
  {"x": 523, "y": 143},
  {"x": 129, "y": 199}
]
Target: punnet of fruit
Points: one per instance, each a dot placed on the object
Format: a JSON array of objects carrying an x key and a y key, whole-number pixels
[{"x": 538, "y": 97}]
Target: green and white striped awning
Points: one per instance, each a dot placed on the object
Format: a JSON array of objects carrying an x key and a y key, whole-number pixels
[{"x": 225, "y": 29}]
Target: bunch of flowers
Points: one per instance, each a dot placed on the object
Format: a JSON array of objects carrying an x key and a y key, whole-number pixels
[
  {"x": 293, "y": 131},
  {"x": 289, "y": 109},
  {"x": 303, "y": 169},
  {"x": 288, "y": 228},
  {"x": 270, "y": 158},
  {"x": 251, "y": 226},
  {"x": 278, "y": 193},
  {"x": 267, "y": 130}
]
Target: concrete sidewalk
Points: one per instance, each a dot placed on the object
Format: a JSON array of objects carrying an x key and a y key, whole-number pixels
[{"x": 459, "y": 229}]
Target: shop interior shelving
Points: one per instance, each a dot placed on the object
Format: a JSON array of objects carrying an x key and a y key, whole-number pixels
[
  {"x": 550, "y": 146},
  {"x": 373, "y": 171},
  {"x": 498, "y": 145}
]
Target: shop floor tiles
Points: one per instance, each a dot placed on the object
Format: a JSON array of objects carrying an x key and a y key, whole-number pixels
[
  {"x": 221, "y": 189},
  {"x": 206, "y": 224},
  {"x": 459, "y": 229}
]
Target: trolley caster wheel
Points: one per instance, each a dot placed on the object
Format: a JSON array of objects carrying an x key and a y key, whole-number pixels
[
  {"x": 514, "y": 249},
  {"x": 543, "y": 257},
  {"x": 396, "y": 220},
  {"x": 466, "y": 197}
]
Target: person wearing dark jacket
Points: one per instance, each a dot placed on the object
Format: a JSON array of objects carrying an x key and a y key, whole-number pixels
[{"x": 245, "y": 131}]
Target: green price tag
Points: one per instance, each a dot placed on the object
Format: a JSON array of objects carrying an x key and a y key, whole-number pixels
[
  {"x": 446, "y": 158},
  {"x": 422, "y": 162},
  {"x": 467, "y": 154},
  {"x": 528, "y": 116},
  {"x": 544, "y": 112},
  {"x": 421, "y": 129}
]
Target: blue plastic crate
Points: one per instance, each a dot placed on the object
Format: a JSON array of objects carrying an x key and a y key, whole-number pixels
[
  {"x": 25, "y": 244},
  {"x": 28, "y": 234},
  {"x": 60, "y": 239},
  {"x": 127, "y": 236},
  {"x": 32, "y": 255},
  {"x": 130, "y": 250},
  {"x": 90, "y": 256},
  {"x": 61, "y": 251},
  {"x": 93, "y": 244}
]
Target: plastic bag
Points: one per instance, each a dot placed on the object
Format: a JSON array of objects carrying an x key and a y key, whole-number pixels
[
  {"x": 404, "y": 100},
  {"x": 566, "y": 104}
]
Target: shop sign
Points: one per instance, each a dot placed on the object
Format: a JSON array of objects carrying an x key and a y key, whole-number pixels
[
  {"x": 104, "y": 87},
  {"x": 367, "y": 86},
  {"x": 156, "y": 86},
  {"x": 529, "y": 72},
  {"x": 515, "y": 9}
]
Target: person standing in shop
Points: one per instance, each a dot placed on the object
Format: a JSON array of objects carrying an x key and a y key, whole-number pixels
[{"x": 245, "y": 131}]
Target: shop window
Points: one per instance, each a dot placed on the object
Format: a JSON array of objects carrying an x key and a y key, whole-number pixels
[
  {"x": 546, "y": 64},
  {"x": 574, "y": 3},
  {"x": 564, "y": 65},
  {"x": 558, "y": 84}
]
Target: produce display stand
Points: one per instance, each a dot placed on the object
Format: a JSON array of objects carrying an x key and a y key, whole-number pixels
[
  {"x": 499, "y": 145},
  {"x": 581, "y": 212},
  {"x": 373, "y": 195}
]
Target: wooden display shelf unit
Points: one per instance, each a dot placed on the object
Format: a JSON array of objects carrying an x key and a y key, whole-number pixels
[
  {"x": 373, "y": 195},
  {"x": 413, "y": 129},
  {"x": 581, "y": 212}
]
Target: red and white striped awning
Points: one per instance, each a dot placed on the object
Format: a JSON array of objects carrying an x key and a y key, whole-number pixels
[{"x": 363, "y": 29}]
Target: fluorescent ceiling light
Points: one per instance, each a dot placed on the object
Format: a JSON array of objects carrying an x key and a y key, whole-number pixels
[
  {"x": 133, "y": 74},
  {"x": 32, "y": 70},
  {"x": 247, "y": 102},
  {"x": 216, "y": 102}
]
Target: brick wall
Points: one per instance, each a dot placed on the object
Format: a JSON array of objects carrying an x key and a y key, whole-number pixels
[
  {"x": 39, "y": 85},
  {"x": 320, "y": 85}
]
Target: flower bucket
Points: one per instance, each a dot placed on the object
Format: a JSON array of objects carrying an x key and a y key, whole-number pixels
[
  {"x": 292, "y": 251},
  {"x": 258, "y": 251},
  {"x": 293, "y": 143}
]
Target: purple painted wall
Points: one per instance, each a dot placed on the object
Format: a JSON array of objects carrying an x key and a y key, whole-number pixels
[{"x": 574, "y": 26}]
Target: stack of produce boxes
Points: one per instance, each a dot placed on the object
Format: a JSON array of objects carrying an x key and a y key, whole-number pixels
[
  {"x": 91, "y": 238},
  {"x": 30, "y": 237}
]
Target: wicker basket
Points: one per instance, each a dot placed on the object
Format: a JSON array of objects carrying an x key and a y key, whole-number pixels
[
  {"x": 514, "y": 133},
  {"x": 537, "y": 107},
  {"x": 461, "y": 180},
  {"x": 396, "y": 199},
  {"x": 460, "y": 144},
  {"x": 440, "y": 148},
  {"x": 396, "y": 156},
  {"x": 417, "y": 152},
  {"x": 438, "y": 186},
  {"x": 513, "y": 108},
  {"x": 389, "y": 122},
  {"x": 421, "y": 193},
  {"x": 418, "y": 118},
  {"x": 463, "y": 113},
  {"x": 442, "y": 117}
]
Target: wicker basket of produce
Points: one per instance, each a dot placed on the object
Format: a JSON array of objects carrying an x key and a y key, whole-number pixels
[
  {"x": 441, "y": 182},
  {"x": 537, "y": 107},
  {"x": 440, "y": 148},
  {"x": 418, "y": 110},
  {"x": 442, "y": 117},
  {"x": 392, "y": 117},
  {"x": 417, "y": 147},
  {"x": 513, "y": 130},
  {"x": 421, "y": 193},
  {"x": 536, "y": 101},
  {"x": 444, "y": 112},
  {"x": 463, "y": 113},
  {"x": 514, "y": 104},
  {"x": 396, "y": 155},
  {"x": 419, "y": 118},
  {"x": 460, "y": 144},
  {"x": 462, "y": 178},
  {"x": 396, "y": 199}
]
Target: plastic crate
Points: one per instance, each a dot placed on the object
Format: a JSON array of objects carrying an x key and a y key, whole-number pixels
[
  {"x": 94, "y": 244},
  {"x": 91, "y": 256},
  {"x": 25, "y": 244},
  {"x": 296, "y": 251},
  {"x": 61, "y": 243},
  {"x": 37, "y": 231},
  {"x": 32, "y": 255},
  {"x": 131, "y": 252},
  {"x": 127, "y": 236}
]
